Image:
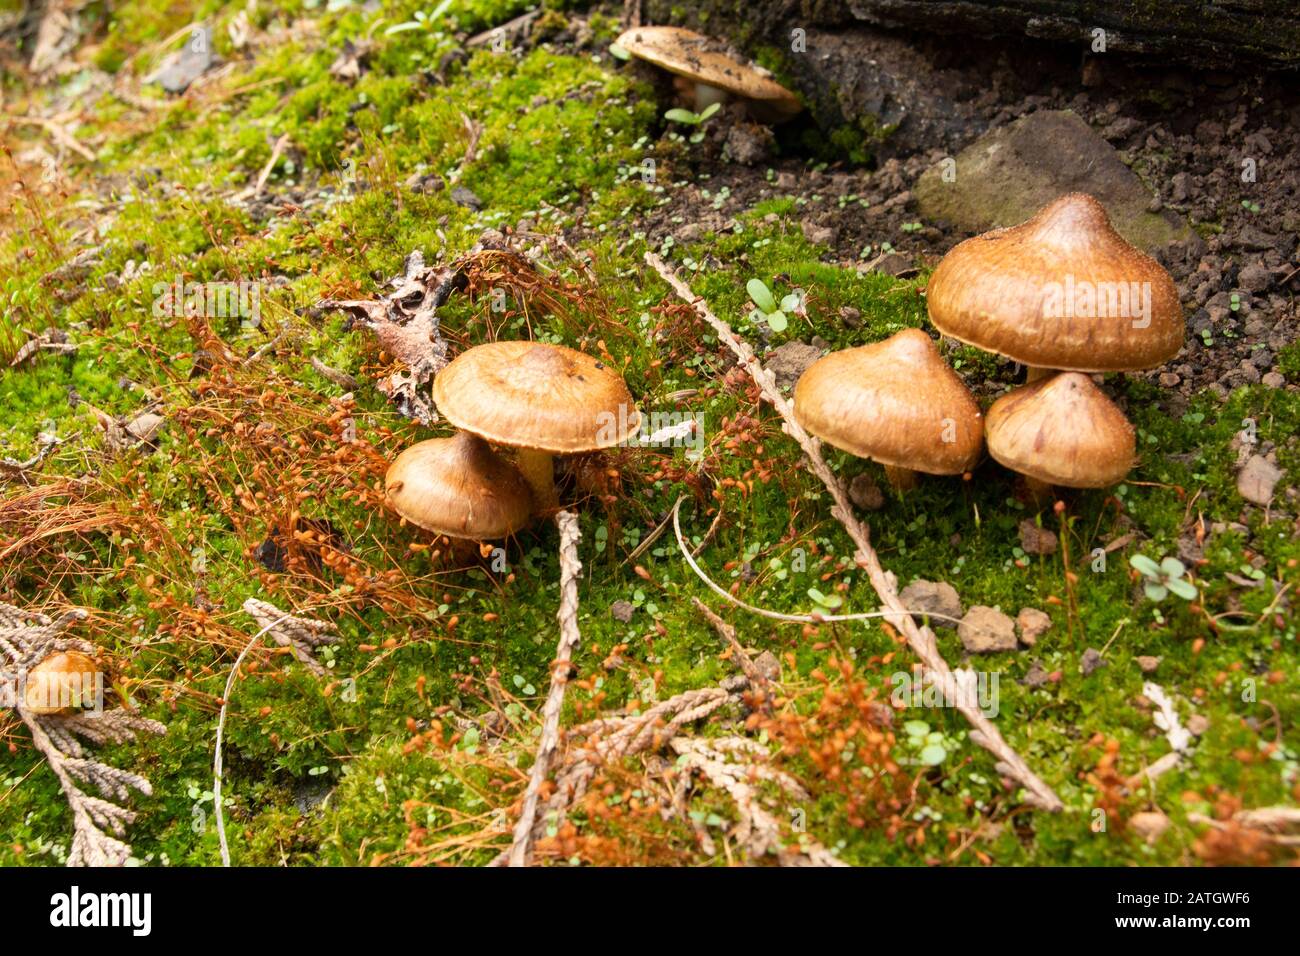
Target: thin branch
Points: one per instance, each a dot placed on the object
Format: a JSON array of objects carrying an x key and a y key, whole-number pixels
[
  {"x": 921, "y": 639},
  {"x": 570, "y": 568}
]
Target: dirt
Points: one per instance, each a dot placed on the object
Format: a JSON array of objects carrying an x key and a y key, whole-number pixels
[{"x": 1221, "y": 151}]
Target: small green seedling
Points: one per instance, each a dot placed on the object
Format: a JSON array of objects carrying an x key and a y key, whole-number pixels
[
  {"x": 775, "y": 316},
  {"x": 928, "y": 743},
  {"x": 691, "y": 118},
  {"x": 830, "y": 602},
  {"x": 1162, "y": 578}
]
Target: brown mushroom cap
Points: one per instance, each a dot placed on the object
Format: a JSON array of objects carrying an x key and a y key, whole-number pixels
[
  {"x": 458, "y": 487},
  {"x": 61, "y": 681},
  {"x": 896, "y": 402},
  {"x": 1062, "y": 430},
  {"x": 537, "y": 396},
  {"x": 1025, "y": 292},
  {"x": 693, "y": 56}
]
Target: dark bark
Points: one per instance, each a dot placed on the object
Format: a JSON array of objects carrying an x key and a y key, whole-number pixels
[{"x": 1211, "y": 33}]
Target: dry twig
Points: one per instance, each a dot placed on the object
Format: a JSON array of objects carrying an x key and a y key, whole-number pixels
[{"x": 570, "y": 568}]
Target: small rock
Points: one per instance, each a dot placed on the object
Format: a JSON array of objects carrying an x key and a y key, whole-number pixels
[
  {"x": 1147, "y": 663},
  {"x": 851, "y": 317},
  {"x": 865, "y": 493},
  {"x": 1178, "y": 186},
  {"x": 1036, "y": 677},
  {"x": 1257, "y": 479},
  {"x": 767, "y": 665},
  {"x": 428, "y": 183},
  {"x": 464, "y": 197},
  {"x": 622, "y": 611},
  {"x": 1254, "y": 278},
  {"x": 1169, "y": 379},
  {"x": 748, "y": 144},
  {"x": 986, "y": 630},
  {"x": 1036, "y": 540},
  {"x": 786, "y": 181},
  {"x": 1015, "y": 169},
  {"x": 1274, "y": 380},
  {"x": 817, "y": 235},
  {"x": 893, "y": 264},
  {"x": 932, "y": 597},
  {"x": 180, "y": 69},
  {"x": 1091, "y": 661},
  {"x": 1033, "y": 624},
  {"x": 790, "y": 361},
  {"x": 1198, "y": 724},
  {"x": 1150, "y": 825}
]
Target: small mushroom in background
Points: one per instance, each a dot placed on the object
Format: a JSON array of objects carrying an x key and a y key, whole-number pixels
[
  {"x": 706, "y": 76},
  {"x": 61, "y": 684},
  {"x": 1060, "y": 291},
  {"x": 896, "y": 402},
  {"x": 1061, "y": 431},
  {"x": 458, "y": 487},
  {"x": 542, "y": 400}
]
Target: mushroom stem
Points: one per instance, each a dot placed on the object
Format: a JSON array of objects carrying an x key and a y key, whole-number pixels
[
  {"x": 706, "y": 96},
  {"x": 1041, "y": 491},
  {"x": 900, "y": 479},
  {"x": 538, "y": 471},
  {"x": 1033, "y": 373}
]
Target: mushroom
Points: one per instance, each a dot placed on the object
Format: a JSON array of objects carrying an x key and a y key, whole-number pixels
[
  {"x": 541, "y": 400},
  {"x": 458, "y": 487},
  {"x": 1060, "y": 291},
  {"x": 896, "y": 402},
  {"x": 61, "y": 684},
  {"x": 708, "y": 75},
  {"x": 1061, "y": 430}
]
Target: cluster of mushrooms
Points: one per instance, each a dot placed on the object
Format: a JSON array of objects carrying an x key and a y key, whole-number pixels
[
  {"x": 898, "y": 403},
  {"x": 536, "y": 399}
]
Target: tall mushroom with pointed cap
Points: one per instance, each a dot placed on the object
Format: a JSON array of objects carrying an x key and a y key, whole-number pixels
[
  {"x": 1061, "y": 431},
  {"x": 1060, "y": 291},
  {"x": 896, "y": 402},
  {"x": 709, "y": 75},
  {"x": 542, "y": 400},
  {"x": 458, "y": 487}
]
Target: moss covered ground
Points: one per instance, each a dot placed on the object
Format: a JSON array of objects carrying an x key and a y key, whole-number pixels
[{"x": 162, "y": 545}]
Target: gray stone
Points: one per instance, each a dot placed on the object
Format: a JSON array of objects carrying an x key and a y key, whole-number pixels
[
  {"x": 1091, "y": 661},
  {"x": 622, "y": 611},
  {"x": 1011, "y": 172},
  {"x": 791, "y": 360},
  {"x": 465, "y": 197},
  {"x": 1254, "y": 278},
  {"x": 1036, "y": 540},
  {"x": 767, "y": 665},
  {"x": 748, "y": 143},
  {"x": 986, "y": 630},
  {"x": 817, "y": 235},
  {"x": 1033, "y": 624},
  {"x": 1147, "y": 663},
  {"x": 1257, "y": 479},
  {"x": 932, "y": 597},
  {"x": 180, "y": 69},
  {"x": 865, "y": 493},
  {"x": 1036, "y": 677}
]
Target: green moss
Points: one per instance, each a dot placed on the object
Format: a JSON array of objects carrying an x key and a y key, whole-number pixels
[{"x": 560, "y": 142}]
